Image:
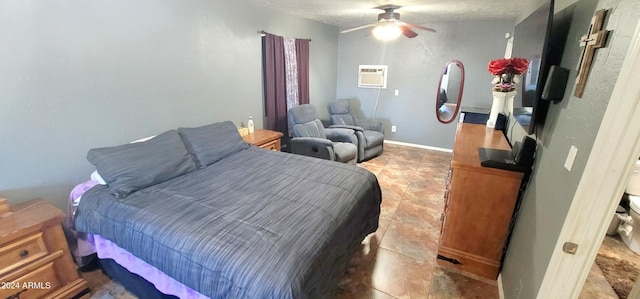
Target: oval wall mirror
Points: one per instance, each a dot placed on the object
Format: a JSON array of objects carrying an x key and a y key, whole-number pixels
[{"x": 450, "y": 91}]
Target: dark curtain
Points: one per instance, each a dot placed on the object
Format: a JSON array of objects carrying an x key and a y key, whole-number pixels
[
  {"x": 302, "y": 58},
  {"x": 275, "y": 83},
  {"x": 275, "y": 102}
]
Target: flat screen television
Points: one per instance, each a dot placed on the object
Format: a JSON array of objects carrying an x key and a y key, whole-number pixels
[{"x": 531, "y": 40}]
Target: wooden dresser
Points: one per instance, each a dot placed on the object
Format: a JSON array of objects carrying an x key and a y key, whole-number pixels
[
  {"x": 35, "y": 261},
  {"x": 479, "y": 204},
  {"x": 264, "y": 139}
]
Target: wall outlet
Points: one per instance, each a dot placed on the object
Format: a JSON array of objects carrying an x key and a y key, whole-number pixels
[
  {"x": 571, "y": 157},
  {"x": 393, "y": 129},
  {"x": 397, "y": 92}
]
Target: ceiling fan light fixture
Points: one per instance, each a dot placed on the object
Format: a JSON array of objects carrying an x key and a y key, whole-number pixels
[
  {"x": 389, "y": 26},
  {"x": 387, "y": 31}
]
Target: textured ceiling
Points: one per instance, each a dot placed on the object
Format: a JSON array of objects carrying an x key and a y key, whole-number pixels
[{"x": 352, "y": 13}]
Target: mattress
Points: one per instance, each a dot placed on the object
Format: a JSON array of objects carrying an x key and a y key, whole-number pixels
[{"x": 256, "y": 224}]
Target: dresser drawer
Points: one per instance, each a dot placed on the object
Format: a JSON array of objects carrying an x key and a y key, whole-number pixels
[
  {"x": 21, "y": 252},
  {"x": 36, "y": 284}
]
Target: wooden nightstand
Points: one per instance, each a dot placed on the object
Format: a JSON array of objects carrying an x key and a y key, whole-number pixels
[
  {"x": 34, "y": 257},
  {"x": 264, "y": 139}
]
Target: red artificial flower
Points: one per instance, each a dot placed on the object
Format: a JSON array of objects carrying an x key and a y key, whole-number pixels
[
  {"x": 519, "y": 65},
  {"x": 505, "y": 70},
  {"x": 497, "y": 67}
]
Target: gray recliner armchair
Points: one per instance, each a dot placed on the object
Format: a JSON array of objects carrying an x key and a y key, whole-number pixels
[
  {"x": 370, "y": 133},
  {"x": 310, "y": 138}
]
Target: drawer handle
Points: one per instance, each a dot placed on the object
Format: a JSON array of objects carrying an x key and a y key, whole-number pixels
[
  {"x": 448, "y": 259},
  {"x": 24, "y": 253}
]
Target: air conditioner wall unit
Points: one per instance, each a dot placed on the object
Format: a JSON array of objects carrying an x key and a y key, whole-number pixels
[{"x": 372, "y": 76}]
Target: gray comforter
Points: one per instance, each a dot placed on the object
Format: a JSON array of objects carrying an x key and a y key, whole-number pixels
[{"x": 257, "y": 224}]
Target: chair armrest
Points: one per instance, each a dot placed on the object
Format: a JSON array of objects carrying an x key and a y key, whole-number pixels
[
  {"x": 355, "y": 128},
  {"x": 341, "y": 135},
  {"x": 368, "y": 124},
  {"x": 313, "y": 147}
]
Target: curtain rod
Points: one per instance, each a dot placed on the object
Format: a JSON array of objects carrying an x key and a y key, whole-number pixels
[{"x": 262, "y": 32}]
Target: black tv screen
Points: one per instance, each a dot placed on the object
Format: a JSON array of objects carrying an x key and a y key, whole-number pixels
[{"x": 531, "y": 41}]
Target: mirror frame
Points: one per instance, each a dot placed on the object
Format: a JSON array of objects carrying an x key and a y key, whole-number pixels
[{"x": 459, "y": 100}]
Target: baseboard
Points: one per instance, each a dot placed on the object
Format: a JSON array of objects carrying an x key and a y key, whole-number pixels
[
  {"x": 433, "y": 148},
  {"x": 500, "y": 288}
]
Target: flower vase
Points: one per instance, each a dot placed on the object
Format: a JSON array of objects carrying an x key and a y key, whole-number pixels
[
  {"x": 508, "y": 101},
  {"x": 501, "y": 100}
]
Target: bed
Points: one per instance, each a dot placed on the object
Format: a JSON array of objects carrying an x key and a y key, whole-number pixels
[{"x": 253, "y": 223}]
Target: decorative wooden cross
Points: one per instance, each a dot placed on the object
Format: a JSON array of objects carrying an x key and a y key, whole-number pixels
[{"x": 594, "y": 39}]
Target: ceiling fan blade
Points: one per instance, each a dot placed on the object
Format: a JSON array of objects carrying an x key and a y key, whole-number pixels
[
  {"x": 418, "y": 27},
  {"x": 408, "y": 32},
  {"x": 358, "y": 28}
]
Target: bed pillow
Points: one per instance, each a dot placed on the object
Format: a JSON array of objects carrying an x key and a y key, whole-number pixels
[
  {"x": 96, "y": 177},
  {"x": 212, "y": 143},
  {"x": 130, "y": 167}
]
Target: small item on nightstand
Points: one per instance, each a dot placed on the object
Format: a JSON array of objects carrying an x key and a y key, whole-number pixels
[
  {"x": 250, "y": 125},
  {"x": 243, "y": 131}
]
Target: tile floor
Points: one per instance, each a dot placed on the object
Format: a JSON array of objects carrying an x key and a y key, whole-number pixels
[
  {"x": 398, "y": 260},
  {"x": 103, "y": 288}
]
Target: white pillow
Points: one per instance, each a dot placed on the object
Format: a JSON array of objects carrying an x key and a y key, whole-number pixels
[
  {"x": 143, "y": 139},
  {"x": 95, "y": 176}
]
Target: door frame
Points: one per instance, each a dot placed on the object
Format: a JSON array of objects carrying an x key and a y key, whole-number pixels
[{"x": 616, "y": 147}]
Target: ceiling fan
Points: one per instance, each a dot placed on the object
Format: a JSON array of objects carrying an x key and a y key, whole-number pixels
[{"x": 389, "y": 25}]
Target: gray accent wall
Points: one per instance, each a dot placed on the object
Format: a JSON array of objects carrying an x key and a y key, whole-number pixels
[
  {"x": 415, "y": 66},
  {"x": 574, "y": 121},
  {"x": 76, "y": 75}
]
